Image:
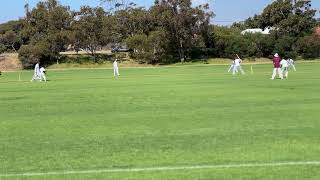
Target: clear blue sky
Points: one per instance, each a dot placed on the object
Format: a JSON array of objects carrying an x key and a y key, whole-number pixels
[{"x": 227, "y": 11}]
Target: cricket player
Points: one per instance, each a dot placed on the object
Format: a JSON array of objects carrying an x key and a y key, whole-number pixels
[
  {"x": 237, "y": 66},
  {"x": 36, "y": 74},
  {"x": 231, "y": 66},
  {"x": 43, "y": 74},
  {"x": 276, "y": 67},
  {"x": 291, "y": 64},
  {"x": 284, "y": 67},
  {"x": 115, "y": 68}
]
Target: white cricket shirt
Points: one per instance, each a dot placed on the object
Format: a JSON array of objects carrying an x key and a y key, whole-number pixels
[
  {"x": 237, "y": 62},
  {"x": 284, "y": 63}
]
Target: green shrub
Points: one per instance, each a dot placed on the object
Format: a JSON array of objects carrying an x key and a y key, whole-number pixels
[
  {"x": 149, "y": 49},
  {"x": 309, "y": 46},
  {"x": 3, "y": 48},
  {"x": 40, "y": 52}
]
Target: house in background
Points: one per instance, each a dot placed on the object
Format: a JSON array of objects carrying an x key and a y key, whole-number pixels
[{"x": 256, "y": 30}]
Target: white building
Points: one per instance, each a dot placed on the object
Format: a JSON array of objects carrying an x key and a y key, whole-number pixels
[{"x": 256, "y": 30}]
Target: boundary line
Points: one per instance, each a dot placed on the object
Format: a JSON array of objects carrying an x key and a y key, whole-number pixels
[{"x": 165, "y": 168}]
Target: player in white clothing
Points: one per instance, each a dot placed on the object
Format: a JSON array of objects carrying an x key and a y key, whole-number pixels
[
  {"x": 291, "y": 64},
  {"x": 115, "y": 68},
  {"x": 43, "y": 74},
  {"x": 231, "y": 66},
  {"x": 36, "y": 73},
  {"x": 237, "y": 66},
  {"x": 284, "y": 67}
]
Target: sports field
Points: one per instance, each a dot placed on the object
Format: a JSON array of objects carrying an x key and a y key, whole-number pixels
[{"x": 184, "y": 122}]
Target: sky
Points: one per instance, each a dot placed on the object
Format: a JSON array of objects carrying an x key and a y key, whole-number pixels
[{"x": 227, "y": 11}]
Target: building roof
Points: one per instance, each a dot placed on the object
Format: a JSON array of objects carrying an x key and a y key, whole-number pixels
[{"x": 256, "y": 30}]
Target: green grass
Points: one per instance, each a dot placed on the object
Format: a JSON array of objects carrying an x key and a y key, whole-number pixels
[{"x": 154, "y": 117}]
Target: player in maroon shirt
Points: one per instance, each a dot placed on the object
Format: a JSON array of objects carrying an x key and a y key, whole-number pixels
[{"x": 276, "y": 67}]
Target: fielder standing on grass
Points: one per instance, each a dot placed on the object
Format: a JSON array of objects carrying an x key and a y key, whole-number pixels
[
  {"x": 284, "y": 67},
  {"x": 43, "y": 74},
  {"x": 276, "y": 67},
  {"x": 115, "y": 68},
  {"x": 36, "y": 74},
  {"x": 237, "y": 65},
  {"x": 291, "y": 64},
  {"x": 231, "y": 66}
]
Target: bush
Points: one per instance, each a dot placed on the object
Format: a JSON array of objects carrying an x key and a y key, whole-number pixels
[
  {"x": 149, "y": 49},
  {"x": 86, "y": 59},
  {"x": 3, "y": 48},
  {"x": 309, "y": 46},
  {"x": 27, "y": 56},
  {"x": 33, "y": 53},
  {"x": 285, "y": 46},
  {"x": 229, "y": 41}
]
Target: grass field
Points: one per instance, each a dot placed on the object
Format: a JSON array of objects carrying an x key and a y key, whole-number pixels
[{"x": 83, "y": 124}]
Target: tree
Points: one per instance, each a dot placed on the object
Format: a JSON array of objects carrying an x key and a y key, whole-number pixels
[
  {"x": 290, "y": 19},
  {"x": 251, "y": 22},
  {"x": 285, "y": 17},
  {"x": 31, "y": 54},
  {"x": 10, "y": 34},
  {"x": 309, "y": 46},
  {"x": 9, "y": 39},
  {"x": 88, "y": 29},
  {"x": 150, "y": 48},
  {"x": 15, "y": 26},
  {"x": 289, "y": 22},
  {"x": 46, "y": 26},
  {"x": 276, "y": 12},
  {"x": 132, "y": 21},
  {"x": 228, "y": 41},
  {"x": 182, "y": 22},
  {"x": 3, "y": 48}
]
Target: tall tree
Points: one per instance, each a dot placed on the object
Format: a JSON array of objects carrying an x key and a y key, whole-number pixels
[
  {"x": 89, "y": 27},
  {"x": 133, "y": 21},
  {"x": 182, "y": 22},
  {"x": 46, "y": 26},
  {"x": 288, "y": 18}
]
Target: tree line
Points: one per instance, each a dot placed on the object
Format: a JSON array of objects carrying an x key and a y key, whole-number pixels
[{"x": 167, "y": 32}]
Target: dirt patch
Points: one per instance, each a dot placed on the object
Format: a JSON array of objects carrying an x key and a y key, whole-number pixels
[{"x": 10, "y": 62}]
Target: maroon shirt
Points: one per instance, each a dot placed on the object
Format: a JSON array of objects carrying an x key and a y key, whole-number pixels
[{"x": 276, "y": 62}]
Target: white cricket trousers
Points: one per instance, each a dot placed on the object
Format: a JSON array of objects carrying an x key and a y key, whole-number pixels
[
  {"x": 285, "y": 71},
  {"x": 36, "y": 77},
  {"x": 116, "y": 71},
  {"x": 237, "y": 68},
  {"x": 231, "y": 67},
  {"x": 293, "y": 67},
  {"x": 275, "y": 70},
  {"x": 43, "y": 77}
]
